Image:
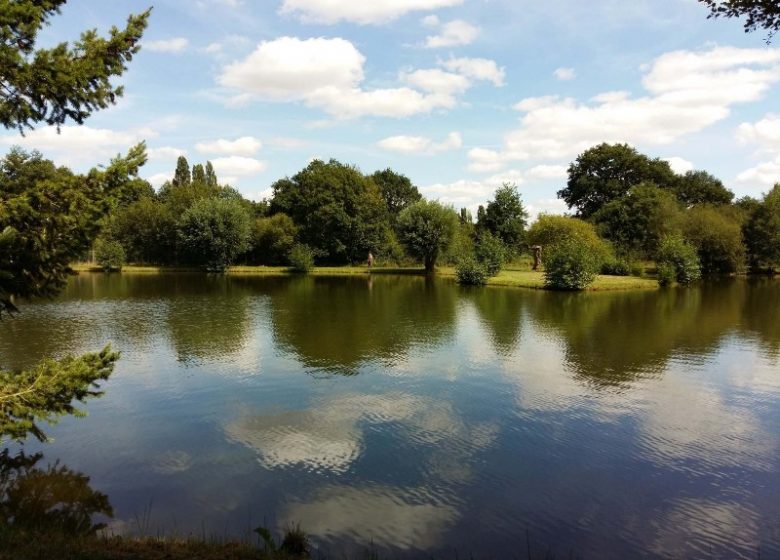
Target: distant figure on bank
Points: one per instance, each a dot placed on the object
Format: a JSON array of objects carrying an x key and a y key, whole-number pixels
[
  {"x": 370, "y": 260},
  {"x": 537, "y": 251}
]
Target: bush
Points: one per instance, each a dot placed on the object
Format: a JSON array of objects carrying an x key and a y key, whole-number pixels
[
  {"x": 616, "y": 267},
  {"x": 272, "y": 239},
  {"x": 109, "y": 254},
  {"x": 490, "y": 252},
  {"x": 213, "y": 232},
  {"x": 470, "y": 272},
  {"x": 571, "y": 265},
  {"x": 677, "y": 261},
  {"x": 548, "y": 231},
  {"x": 301, "y": 258},
  {"x": 716, "y": 233}
]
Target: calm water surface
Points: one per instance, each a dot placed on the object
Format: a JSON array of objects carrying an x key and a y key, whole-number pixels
[{"x": 423, "y": 417}]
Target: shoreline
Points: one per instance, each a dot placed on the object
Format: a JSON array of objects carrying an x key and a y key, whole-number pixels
[{"x": 510, "y": 277}]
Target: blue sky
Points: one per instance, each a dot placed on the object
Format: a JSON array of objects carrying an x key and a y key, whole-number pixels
[{"x": 460, "y": 95}]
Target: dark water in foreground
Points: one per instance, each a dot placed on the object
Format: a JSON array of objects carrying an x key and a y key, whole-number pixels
[{"x": 426, "y": 418}]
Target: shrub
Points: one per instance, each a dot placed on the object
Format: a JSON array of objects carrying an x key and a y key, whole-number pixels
[
  {"x": 213, "y": 232},
  {"x": 571, "y": 265},
  {"x": 548, "y": 231},
  {"x": 716, "y": 233},
  {"x": 272, "y": 239},
  {"x": 490, "y": 252},
  {"x": 616, "y": 267},
  {"x": 469, "y": 272},
  {"x": 677, "y": 261},
  {"x": 301, "y": 258},
  {"x": 109, "y": 254}
]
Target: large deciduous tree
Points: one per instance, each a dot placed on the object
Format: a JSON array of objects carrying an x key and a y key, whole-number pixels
[
  {"x": 636, "y": 222},
  {"x": 340, "y": 212},
  {"x": 606, "y": 172},
  {"x": 699, "y": 187},
  {"x": 427, "y": 228},
  {"x": 397, "y": 191},
  {"x": 63, "y": 82}
]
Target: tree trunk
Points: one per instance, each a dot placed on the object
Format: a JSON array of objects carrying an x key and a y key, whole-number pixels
[{"x": 430, "y": 262}]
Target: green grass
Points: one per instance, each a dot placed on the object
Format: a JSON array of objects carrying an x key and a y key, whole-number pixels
[{"x": 517, "y": 275}]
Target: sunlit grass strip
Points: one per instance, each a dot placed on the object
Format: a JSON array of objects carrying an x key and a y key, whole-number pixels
[{"x": 510, "y": 277}]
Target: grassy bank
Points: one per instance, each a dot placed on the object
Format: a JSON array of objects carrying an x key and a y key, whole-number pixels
[{"x": 510, "y": 277}]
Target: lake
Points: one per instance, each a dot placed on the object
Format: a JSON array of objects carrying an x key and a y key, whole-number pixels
[{"x": 425, "y": 418}]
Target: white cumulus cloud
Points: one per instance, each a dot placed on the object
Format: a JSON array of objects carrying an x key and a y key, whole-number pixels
[
  {"x": 565, "y": 74},
  {"x": 165, "y": 152},
  {"x": 453, "y": 34},
  {"x": 173, "y": 45},
  {"x": 371, "y": 12},
  {"x": 328, "y": 73},
  {"x": 477, "y": 69},
  {"x": 686, "y": 92},
  {"x": 420, "y": 144},
  {"x": 237, "y": 166},
  {"x": 244, "y": 146},
  {"x": 679, "y": 165}
]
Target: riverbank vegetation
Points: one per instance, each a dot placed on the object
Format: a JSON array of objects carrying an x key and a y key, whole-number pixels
[{"x": 626, "y": 207}]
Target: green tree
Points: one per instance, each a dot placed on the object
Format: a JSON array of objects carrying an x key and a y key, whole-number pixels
[
  {"x": 699, "y": 187},
  {"x": 339, "y": 211},
  {"x": 606, "y": 172},
  {"x": 109, "y": 254},
  {"x": 147, "y": 231},
  {"x": 677, "y": 261},
  {"x": 49, "y": 217},
  {"x": 213, "y": 232},
  {"x": 53, "y": 85},
  {"x": 550, "y": 230},
  {"x": 758, "y": 13},
  {"x": 762, "y": 232},
  {"x": 427, "y": 229},
  {"x": 490, "y": 252},
  {"x": 211, "y": 175},
  {"x": 716, "y": 233},
  {"x": 505, "y": 217},
  {"x": 199, "y": 174},
  {"x": 182, "y": 176},
  {"x": 397, "y": 191},
  {"x": 636, "y": 222},
  {"x": 272, "y": 239}
]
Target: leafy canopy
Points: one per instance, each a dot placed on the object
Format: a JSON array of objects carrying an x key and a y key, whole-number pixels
[
  {"x": 64, "y": 82},
  {"x": 606, "y": 172},
  {"x": 505, "y": 217},
  {"x": 427, "y": 228}
]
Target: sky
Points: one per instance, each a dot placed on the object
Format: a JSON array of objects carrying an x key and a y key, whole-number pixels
[{"x": 459, "y": 95}]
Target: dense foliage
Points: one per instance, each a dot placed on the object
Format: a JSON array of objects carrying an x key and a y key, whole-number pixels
[
  {"x": 63, "y": 82},
  {"x": 427, "y": 228},
  {"x": 571, "y": 265},
  {"x": 505, "y": 217},
  {"x": 471, "y": 272},
  {"x": 339, "y": 211},
  {"x": 109, "y": 254},
  {"x": 301, "y": 258},
  {"x": 50, "y": 216},
  {"x": 762, "y": 232},
  {"x": 213, "y": 232},
  {"x": 607, "y": 172},
  {"x": 677, "y": 261}
]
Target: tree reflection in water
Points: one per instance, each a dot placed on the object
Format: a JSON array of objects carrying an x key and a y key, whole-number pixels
[{"x": 45, "y": 500}]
